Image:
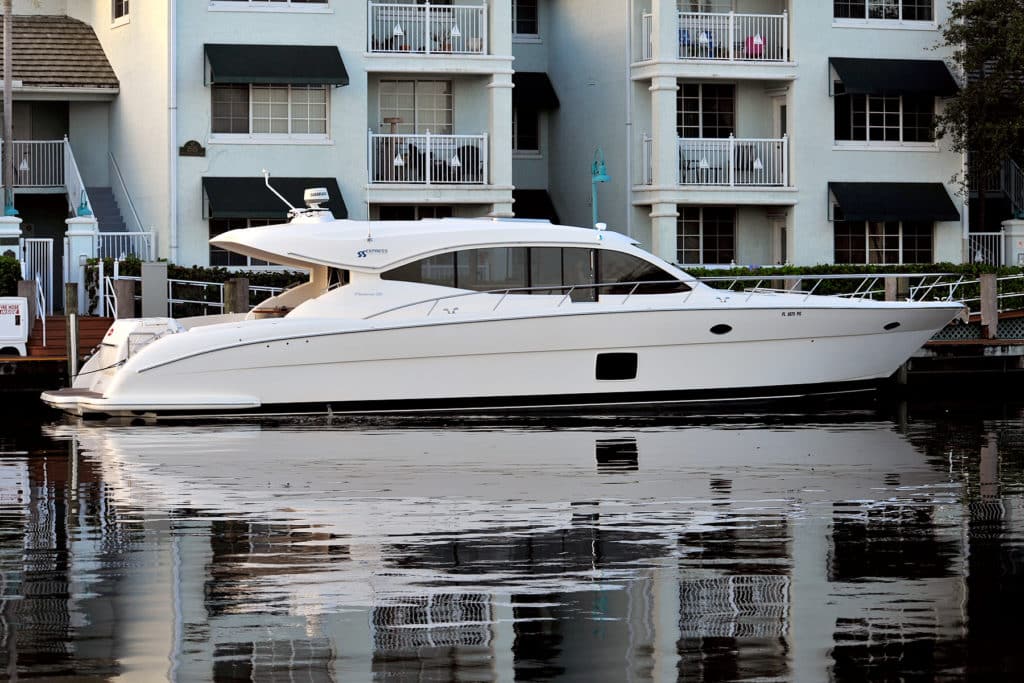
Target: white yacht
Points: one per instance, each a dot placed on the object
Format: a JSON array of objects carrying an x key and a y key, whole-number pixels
[{"x": 486, "y": 314}]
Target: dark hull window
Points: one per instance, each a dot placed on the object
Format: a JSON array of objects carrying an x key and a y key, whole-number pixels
[{"x": 615, "y": 366}]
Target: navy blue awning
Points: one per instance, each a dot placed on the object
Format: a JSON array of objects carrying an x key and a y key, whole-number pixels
[
  {"x": 894, "y": 76},
  {"x": 250, "y": 198},
  {"x": 271, "y": 64},
  {"x": 893, "y": 202}
]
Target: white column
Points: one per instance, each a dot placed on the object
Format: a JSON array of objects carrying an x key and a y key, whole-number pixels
[
  {"x": 500, "y": 177},
  {"x": 663, "y": 230},
  {"x": 10, "y": 233},
  {"x": 664, "y": 163},
  {"x": 665, "y": 30},
  {"x": 499, "y": 35},
  {"x": 81, "y": 242}
]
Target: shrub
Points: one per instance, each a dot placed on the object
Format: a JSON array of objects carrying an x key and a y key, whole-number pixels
[{"x": 10, "y": 273}]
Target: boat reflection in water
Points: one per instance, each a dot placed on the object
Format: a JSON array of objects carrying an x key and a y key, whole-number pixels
[{"x": 733, "y": 551}]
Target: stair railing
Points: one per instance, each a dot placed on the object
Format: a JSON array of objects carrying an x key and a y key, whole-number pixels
[
  {"x": 78, "y": 197},
  {"x": 41, "y": 305},
  {"x": 1013, "y": 185},
  {"x": 150, "y": 246}
]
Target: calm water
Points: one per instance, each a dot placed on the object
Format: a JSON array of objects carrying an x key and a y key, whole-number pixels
[{"x": 863, "y": 543}]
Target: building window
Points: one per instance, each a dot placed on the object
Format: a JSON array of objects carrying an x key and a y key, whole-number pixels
[
  {"x": 706, "y": 110},
  {"x": 884, "y": 118},
  {"x": 525, "y": 130},
  {"x": 120, "y": 9},
  {"x": 706, "y": 235},
  {"x": 271, "y": 110},
  {"x": 524, "y": 17},
  {"x": 415, "y": 107},
  {"x": 222, "y": 257},
  {"x": 883, "y": 242},
  {"x": 888, "y": 10},
  {"x": 411, "y": 212}
]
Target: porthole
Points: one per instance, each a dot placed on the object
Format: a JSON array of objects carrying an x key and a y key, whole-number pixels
[
  {"x": 891, "y": 326},
  {"x": 721, "y": 328}
]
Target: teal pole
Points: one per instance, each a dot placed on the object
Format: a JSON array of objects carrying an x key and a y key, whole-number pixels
[{"x": 598, "y": 174}]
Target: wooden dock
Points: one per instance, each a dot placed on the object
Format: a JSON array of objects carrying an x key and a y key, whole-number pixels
[{"x": 46, "y": 366}]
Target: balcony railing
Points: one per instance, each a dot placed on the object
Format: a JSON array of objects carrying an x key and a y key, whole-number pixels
[
  {"x": 738, "y": 162},
  {"x": 428, "y": 159},
  {"x": 730, "y": 37},
  {"x": 427, "y": 29}
]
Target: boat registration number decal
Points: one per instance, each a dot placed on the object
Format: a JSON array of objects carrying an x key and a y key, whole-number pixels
[{"x": 792, "y": 314}]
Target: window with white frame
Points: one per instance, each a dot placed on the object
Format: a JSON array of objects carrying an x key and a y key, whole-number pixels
[
  {"x": 223, "y": 257},
  {"x": 524, "y": 17},
  {"x": 887, "y": 10},
  {"x": 706, "y": 235},
  {"x": 120, "y": 9},
  {"x": 883, "y": 242},
  {"x": 525, "y": 130},
  {"x": 415, "y": 107},
  {"x": 883, "y": 119},
  {"x": 298, "y": 111}
]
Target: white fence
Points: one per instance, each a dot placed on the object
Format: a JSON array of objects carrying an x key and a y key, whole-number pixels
[
  {"x": 37, "y": 255},
  {"x": 733, "y": 161},
  {"x": 427, "y": 29},
  {"x": 985, "y": 247},
  {"x": 724, "y": 36},
  {"x": 119, "y": 245},
  {"x": 428, "y": 159},
  {"x": 38, "y": 163}
]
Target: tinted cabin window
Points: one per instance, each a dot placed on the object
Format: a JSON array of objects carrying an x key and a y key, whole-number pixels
[
  {"x": 559, "y": 268},
  {"x": 546, "y": 269},
  {"x": 615, "y": 266},
  {"x": 579, "y": 270},
  {"x": 435, "y": 270},
  {"x": 495, "y": 268}
]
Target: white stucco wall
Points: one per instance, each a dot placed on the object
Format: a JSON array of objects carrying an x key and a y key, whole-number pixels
[
  {"x": 89, "y": 135},
  {"x": 588, "y": 64},
  {"x": 138, "y": 116},
  {"x": 816, "y": 159}
]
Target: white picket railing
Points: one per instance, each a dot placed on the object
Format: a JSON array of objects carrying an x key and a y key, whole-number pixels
[
  {"x": 38, "y": 163},
  {"x": 37, "y": 256},
  {"x": 427, "y": 29},
  {"x": 428, "y": 159},
  {"x": 734, "y": 37},
  {"x": 1012, "y": 185},
  {"x": 646, "y": 37},
  {"x": 985, "y": 247},
  {"x": 757, "y": 162},
  {"x": 118, "y": 245}
]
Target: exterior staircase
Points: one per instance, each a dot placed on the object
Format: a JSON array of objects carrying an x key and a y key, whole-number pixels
[
  {"x": 90, "y": 333},
  {"x": 105, "y": 209}
]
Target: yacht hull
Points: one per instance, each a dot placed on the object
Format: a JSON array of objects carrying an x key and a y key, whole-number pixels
[{"x": 591, "y": 356}]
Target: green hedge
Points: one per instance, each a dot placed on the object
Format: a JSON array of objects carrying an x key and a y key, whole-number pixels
[{"x": 10, "y": 273}]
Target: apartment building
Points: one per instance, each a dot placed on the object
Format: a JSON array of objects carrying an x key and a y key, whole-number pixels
[
  {"x": 402, "y": 109},
  {"x": 731, "y": 131},
  {"x": 755, "y": 132}
]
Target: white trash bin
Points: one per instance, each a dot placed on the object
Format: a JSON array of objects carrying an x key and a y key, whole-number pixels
[{"x": 14, "y": 323}]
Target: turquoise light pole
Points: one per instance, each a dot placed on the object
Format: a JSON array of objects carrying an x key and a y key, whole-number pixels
[{"x": 598, "y": 174}]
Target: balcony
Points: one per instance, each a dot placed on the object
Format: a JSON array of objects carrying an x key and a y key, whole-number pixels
[
  {"x": 428, "y": 159},
  {"x": 734, "y": 162},
  {"x": 446, "y": 30},
  {"x": 730, "y": 37}
]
